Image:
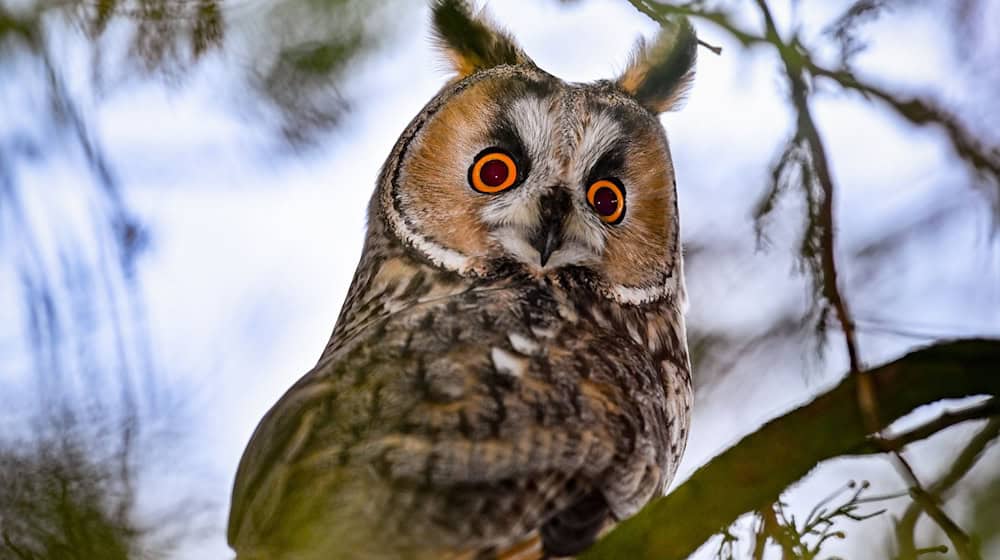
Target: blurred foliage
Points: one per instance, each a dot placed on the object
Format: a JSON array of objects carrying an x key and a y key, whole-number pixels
[
  {"x": 167, "y": 36},
  {"x": 298, "y": 51},
  {"x": 68, "y": 491},
  {"x": 69, "y": 472},
  {"x": 62, "y": 496},
  {"x": 310, "y": 47}
]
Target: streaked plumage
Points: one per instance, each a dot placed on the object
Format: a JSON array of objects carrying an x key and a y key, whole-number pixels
[{"x": 509, "y": 372}]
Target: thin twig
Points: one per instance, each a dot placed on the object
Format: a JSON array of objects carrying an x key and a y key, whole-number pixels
[
  {"x": 645, "y": 9},
  {"x": 946, "y": 420},
  {"x": 777, "y": 534},
  {"x": 984, "y": 159},
  {"x": 760, "y": 537},
  {"x": 867, "y": 396},
  {"x": 962, "y": 543},
  {"x": 962, "y": 464},
  {"x": 661, "y": 12},
  {"x": 817, "y": 150},
  {"x": 920, "y": 112}
]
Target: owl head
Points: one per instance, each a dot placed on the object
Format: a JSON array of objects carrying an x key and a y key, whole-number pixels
[{"x": 510, "y": 168}]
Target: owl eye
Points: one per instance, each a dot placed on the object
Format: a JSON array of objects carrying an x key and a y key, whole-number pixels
[
  {"x": 607, "y": 198},
  {"x": 493, "y": 171}
]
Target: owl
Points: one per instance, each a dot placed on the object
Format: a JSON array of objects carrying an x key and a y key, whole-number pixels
[{"x": 509, "y": 375}]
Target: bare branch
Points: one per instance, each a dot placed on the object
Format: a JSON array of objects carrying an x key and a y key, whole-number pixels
[
  {"x": 961, "y": 542},
  {"x": 962, "y": 464},
  {"x": 791, "y": 57},
  {"x": 645, "y": 9},
  {"x": 760, "y": 536},
  {"x": 921, "y": 112},
  {"x": 985, "y": 159},
  {"x": 795, "y": 443},
  {"x": 776, "y": 532},
  {"x": 943, "y": 422},
  {"x": 661, "y": 13}
]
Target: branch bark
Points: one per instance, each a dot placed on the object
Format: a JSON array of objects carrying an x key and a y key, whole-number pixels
[{"x": 763, "y": 464}]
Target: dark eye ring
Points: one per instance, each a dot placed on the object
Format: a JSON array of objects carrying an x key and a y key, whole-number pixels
[
  {"x": 493, "y": 171},
  {"x": 607, "y": 198}
]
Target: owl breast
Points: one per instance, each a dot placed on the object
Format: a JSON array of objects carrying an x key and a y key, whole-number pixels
[{"x": 472, "y": 420}]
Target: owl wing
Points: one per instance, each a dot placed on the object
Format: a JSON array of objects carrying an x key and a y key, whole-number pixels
[
  {"x": 459, "y": 428},
  {"x": 268, "y": 462},
  {"x": 517, "y": 494}
]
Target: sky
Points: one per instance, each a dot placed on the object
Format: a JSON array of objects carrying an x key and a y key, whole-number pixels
[{"x": 251, "y": 254}]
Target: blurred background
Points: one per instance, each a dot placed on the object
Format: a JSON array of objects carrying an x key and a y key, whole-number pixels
[{"x": 183, "y": 186}]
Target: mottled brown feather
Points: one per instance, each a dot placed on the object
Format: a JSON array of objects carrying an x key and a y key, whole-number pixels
[{"x": 472, "y": 411}]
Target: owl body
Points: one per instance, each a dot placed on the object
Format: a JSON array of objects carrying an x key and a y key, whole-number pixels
[{"x": 509, "y": 373}]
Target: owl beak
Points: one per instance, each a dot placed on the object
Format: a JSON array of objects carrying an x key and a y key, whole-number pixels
[
  {"x": 547, "y": 243},
  {"x": 548, "y": 237}
]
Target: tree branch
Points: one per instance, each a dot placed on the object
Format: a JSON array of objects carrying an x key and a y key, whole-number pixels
[
  {"x": 792, "y": 57},
  {"x": 946, "y": 420},
  {"x": 962, "y": 543},
  {"x": 762, "y": 465},
  {"x": 962, "y": 465},
  {"x": 985, "y": 159}
]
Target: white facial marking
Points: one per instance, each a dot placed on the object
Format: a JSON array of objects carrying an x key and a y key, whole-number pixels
[
  {"x": 584, "y": 231},
  {"x": 533, "y": 119},
  {"x": 570, "y": 254},
  {"x": 513, "y": 209},
  {"x": 673, "y": 287},
  {"x": 515, "y": 216},
  {"x": 598, "y": 136},
  {"x": 515, "y": 241},
  {"x": 639, "y": 295},
  {"x": 440, "y": 255}
]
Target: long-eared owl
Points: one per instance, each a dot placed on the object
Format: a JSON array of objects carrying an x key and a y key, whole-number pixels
[{"x": 509, "y": 375}]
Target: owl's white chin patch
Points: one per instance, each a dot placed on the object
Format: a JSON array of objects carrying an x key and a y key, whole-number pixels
[
  {"x": 570, "y": 255},
  {"x": 518, "y": 247}
]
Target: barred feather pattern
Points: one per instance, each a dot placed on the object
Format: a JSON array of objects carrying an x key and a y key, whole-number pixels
[{"x": 435, "y": 425}]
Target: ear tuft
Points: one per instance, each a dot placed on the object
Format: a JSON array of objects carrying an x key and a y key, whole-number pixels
[
  {"x": 472, "y": 43},
  {"x": 660, "y": 74}
]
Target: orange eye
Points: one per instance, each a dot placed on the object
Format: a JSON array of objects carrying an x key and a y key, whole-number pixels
[
  {"x": 607, "y": 198},
  {"x": 492, "y": 172}
]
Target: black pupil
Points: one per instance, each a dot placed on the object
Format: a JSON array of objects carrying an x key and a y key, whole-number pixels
[
  {"x": 605, "y": 201},
  {"x": 493, "y": 173}
]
